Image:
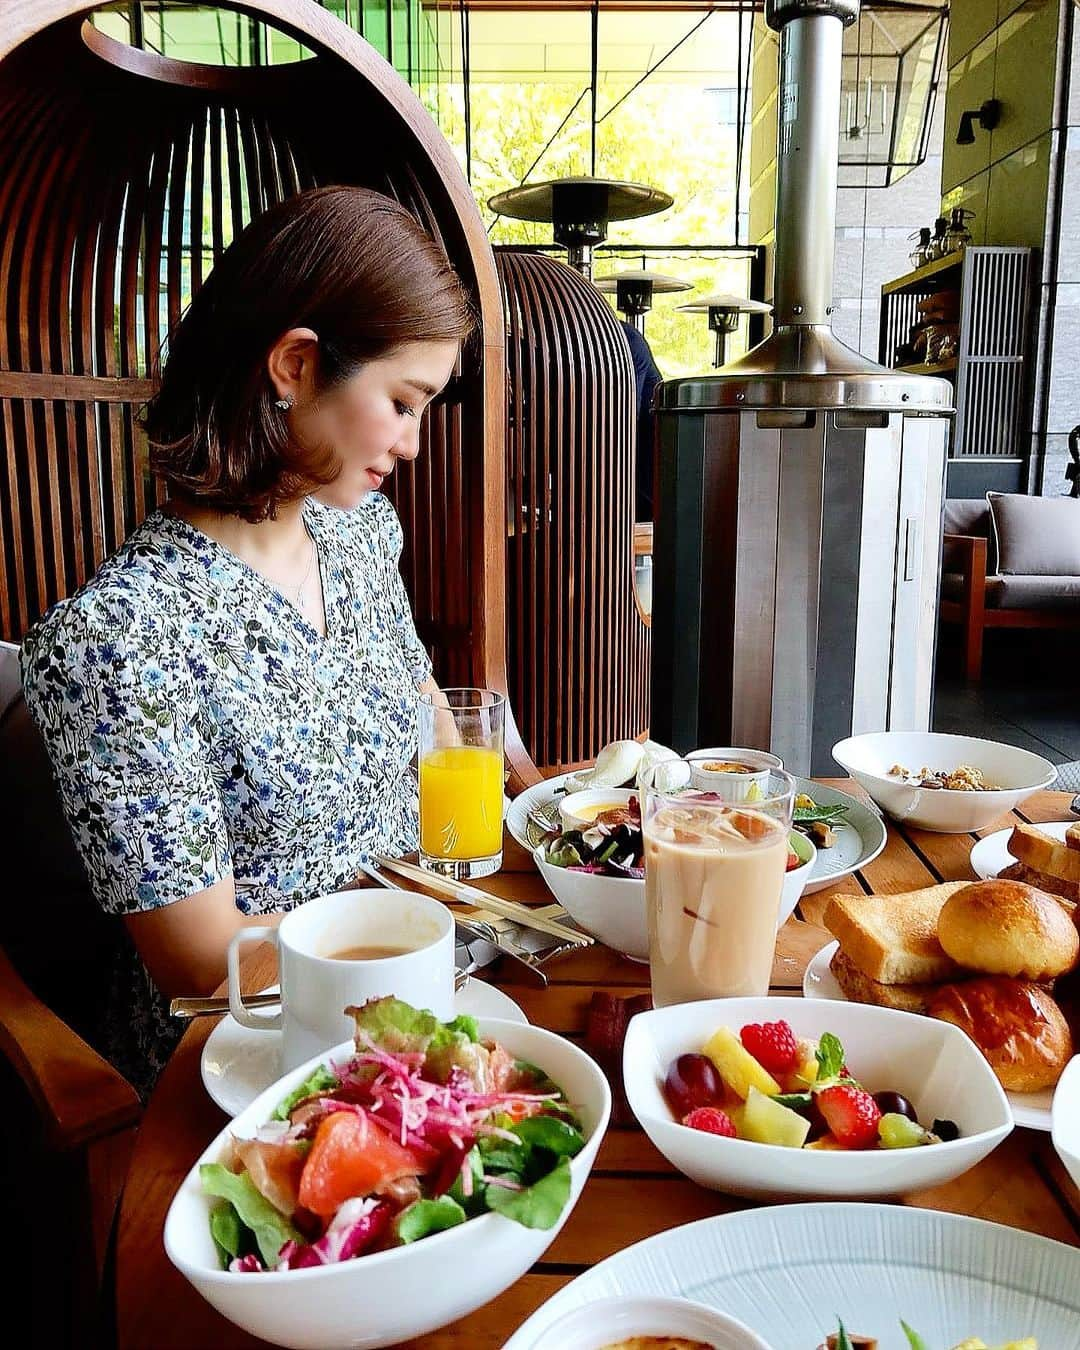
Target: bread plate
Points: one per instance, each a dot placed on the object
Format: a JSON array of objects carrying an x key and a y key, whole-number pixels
[
  {"x": 787, "y": 1271},
  {"x": 1029, "y": 1108},
  {"x": 859, "y": 838},
  {"x": 1066, "y": 1112},
  {"x": 991, "y": 855}
]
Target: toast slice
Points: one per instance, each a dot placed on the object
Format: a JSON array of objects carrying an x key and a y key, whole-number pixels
[
  {"x": 893, "y": 939},
  {"x": 1068, "y": 892},
  {"x": 1042, "y": 852},
  {"x": 1072, "y": 837},
  {"x": 859, "y": 988}
]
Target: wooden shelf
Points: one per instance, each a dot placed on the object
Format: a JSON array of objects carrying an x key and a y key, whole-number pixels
[
  {"x": 938, "y": 367},
  {"x": 925, "y": 273}
]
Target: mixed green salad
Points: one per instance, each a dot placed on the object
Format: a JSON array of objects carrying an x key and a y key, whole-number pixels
[
  {"x": 843, "y": 1340},
  {"x": 426, "y": 1126}
]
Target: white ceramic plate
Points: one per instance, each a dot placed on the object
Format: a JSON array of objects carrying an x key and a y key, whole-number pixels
[
  {"x": 787, "y": 1271},
  {"x": 991, "y": 856},
  {"x": 238, "y": 1064},
  {"x": 1066, "y": 1114},
  {"x": 859, "y": 839},
  {"x": 1029, "y": 1108}
]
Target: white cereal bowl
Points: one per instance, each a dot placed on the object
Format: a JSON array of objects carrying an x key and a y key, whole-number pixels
[
  {"x": 1065, "y": 1111},
  {"x": 933, "y": 1064},
  {"x": 869, "y": 758},
  {"x": 408, "y": 1291},
  {"x": 612, "y": 909},
  {"x": 607, "y": 1320},
  {"x": 574, "y": 803}
]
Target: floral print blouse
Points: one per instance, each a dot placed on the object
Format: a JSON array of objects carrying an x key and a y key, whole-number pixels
[{"x": 200, "y": 728}]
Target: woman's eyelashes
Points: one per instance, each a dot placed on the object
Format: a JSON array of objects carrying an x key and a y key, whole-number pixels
[{"x": 404, "y": 410}]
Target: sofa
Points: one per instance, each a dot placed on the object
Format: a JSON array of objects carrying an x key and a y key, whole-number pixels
[{"x": 1009, "y": 561}]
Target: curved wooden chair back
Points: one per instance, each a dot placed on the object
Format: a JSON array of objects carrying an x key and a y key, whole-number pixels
[
  {"x": 123, "y": 175},
  {"x": 578, "y": 650}
]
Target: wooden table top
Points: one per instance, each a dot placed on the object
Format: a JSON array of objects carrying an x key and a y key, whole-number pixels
[{"x": 633, "y": 1191}]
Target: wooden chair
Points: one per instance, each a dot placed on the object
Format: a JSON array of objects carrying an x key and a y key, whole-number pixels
[
  {"x": 123, "y": 175},
  {"x": 577, "y": 646}
]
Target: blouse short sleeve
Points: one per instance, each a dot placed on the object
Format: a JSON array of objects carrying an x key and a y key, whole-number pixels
[
  {"x": 402, "y": 623},
  {"x": 117, "y": 708}
]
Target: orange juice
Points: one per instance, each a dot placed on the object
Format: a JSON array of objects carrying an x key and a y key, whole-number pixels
[{"x": 461, "y": 801}]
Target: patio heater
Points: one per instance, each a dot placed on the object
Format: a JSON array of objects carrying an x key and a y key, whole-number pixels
[
  {"x": 800, "y": 488},
  {"x": 723, "y": 311},
  {"x": 634, "y": 290}
]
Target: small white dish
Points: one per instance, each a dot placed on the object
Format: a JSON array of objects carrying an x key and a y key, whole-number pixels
[
  {"x": 578, "y": 810},
  {"x": 238, "y": 1064},
  {"x": 750, "y": 779},
  {"x": 869, "y": 758},
  {"x": 385, "y": 1297},
  {"x": 933, "y": 1064},
  {"x": 1065, "y": 1114},
  {"x": 608, "y": 1320},
  {"x": 1030, "y": 1109},
  {"x": 991, "y": 854}
]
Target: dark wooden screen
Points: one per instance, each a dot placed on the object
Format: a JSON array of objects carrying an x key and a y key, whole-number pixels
[
  {"x": 122, "y": 177},
  {"x": 578, "y": 651}
]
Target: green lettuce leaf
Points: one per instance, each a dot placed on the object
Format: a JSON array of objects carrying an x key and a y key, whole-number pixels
[
  {"x": 401, "y": 1029},
  {"x": 538, "y": 1205},
  {"x": 474, "y": 1203},
  {"x": 271, "y": 1229},
  {"x": 551, "y": 1133},
  {"x": 322, "y": 1080},
  {"x": 231, "y": 1237},
  {"x": 424, "y": 1217}
]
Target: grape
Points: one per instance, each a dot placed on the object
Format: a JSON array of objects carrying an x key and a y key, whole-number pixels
[
  {"x": 892, "y": 1104},
  {"x": 692, "y": 1081}
]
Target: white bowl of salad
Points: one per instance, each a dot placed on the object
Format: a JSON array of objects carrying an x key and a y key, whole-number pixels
[
  {"x": 598, "y": 876},
  {"x": 785, "y": 1097},
  {"x": 393, "y": 1184}
]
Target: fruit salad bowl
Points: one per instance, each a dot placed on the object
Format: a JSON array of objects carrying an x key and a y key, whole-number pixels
[{"x": 933, "y": 1065}]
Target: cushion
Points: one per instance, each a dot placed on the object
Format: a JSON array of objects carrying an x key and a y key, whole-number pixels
[
  {"x": 1036, "y": 592},
  {"x": 1036, "y": 536},
  {"x": 967, "y": 515}
]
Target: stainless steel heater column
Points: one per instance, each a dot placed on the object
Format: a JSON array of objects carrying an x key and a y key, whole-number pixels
[{"x": 797, "y": 536}]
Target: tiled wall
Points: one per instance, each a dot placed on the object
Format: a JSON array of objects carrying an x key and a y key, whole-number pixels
[{"x": 1014, "y": 51}]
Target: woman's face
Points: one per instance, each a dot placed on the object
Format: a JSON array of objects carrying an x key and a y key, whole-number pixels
[{"x": 373, "y": 419}]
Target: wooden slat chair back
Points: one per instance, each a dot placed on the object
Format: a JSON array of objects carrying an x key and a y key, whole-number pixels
[{"x": 577, "y": 646}]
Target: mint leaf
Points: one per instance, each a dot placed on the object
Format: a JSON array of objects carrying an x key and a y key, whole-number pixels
[
  {"x": 830, "y": 1057},
  {"x": 843, "y": 1341},
  {"x": 551, "y": 1133},
  {"x": 914, "y": 1339},
  {"x": 794, "y": 1101},
  {"x": 322, "y": 1080},
  {"x": 539, "y": 1205},
  {"x": 424, "y": 1217},
  {"x": 271, "y": 1229}
]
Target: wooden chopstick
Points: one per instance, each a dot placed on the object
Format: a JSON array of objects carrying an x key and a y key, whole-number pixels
[{"x": 472, "y": 895}]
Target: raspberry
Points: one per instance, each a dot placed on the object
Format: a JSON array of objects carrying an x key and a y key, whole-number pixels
[
  {"x": 772, "y": 1044},
  {"x": 710, "y": 1119},
  {"x": 851, "y": 1114}
]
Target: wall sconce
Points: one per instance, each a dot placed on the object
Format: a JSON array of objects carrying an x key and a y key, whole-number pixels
[{"x": 989, "y": 115}]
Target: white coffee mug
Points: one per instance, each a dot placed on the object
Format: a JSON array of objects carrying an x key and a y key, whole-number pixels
[{"x": 316, "y": 987}]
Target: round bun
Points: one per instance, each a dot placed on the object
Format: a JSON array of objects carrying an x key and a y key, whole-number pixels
[
  {"x": 1008, "y": 928},
  {"x": 1017, "y": 1026}
]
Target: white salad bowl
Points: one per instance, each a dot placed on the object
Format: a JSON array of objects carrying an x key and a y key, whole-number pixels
[
  {"x": 391, "y": 1296},
  {"x": 1065, "y": 1113},
  {"x": 612, "y": 909},
  {"x": 933, "y": 1064},
  {"x": 607, "y": 1320},
  {"x": 1018, "y": 773}
]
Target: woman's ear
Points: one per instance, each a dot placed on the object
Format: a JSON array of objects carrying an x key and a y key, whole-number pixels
[{"x": 293, "y": 365}]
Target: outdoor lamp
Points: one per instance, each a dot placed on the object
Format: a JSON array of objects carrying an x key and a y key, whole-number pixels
[
  {"x": 989, "y": 115},
  {"x": 723, "y": 311},
  {"x": 634, "y": 291}
]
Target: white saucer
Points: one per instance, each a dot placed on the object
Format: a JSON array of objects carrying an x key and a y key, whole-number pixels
[
  {"x": 991, "y": 855},
  {"x": 237, "y": 1064},
  {"x": 1029, "y": 1108}
]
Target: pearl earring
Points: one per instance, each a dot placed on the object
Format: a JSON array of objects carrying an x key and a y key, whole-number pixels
[{"x": 283, "y": 403}]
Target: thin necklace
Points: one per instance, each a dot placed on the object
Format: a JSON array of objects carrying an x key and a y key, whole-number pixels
[{"x": 299, "y": 600}]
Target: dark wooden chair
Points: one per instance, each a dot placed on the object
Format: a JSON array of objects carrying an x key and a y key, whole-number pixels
[{"x": 578, "y": 649}]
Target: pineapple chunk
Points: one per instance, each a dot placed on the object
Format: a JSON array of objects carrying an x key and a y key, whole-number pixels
[
  {"x": 767, "y": 1122},
  {"x": 807, "y": 1072},
  {"x": 737, "y": 1066}
]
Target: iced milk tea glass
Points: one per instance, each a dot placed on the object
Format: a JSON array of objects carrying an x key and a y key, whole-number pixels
[
  {"x": 714, "y": 871},
  {"x": 461, "y": 782}
]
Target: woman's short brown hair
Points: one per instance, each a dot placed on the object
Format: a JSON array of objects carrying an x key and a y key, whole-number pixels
[{"x": 351, "y": 264}]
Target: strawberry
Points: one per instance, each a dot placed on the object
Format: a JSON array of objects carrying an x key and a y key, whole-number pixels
[
  {"x": 773, "y": 1045},
  {"x": 710, "y": 1119},
  {"x": 851, "y": 1114}
]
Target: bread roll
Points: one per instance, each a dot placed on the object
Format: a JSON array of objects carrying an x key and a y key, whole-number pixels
[
  {"x": 1008, "y": 928},
  {"x": 1017, "y": 1026}
]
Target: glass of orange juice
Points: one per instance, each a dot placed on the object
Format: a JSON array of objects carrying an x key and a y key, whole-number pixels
[{"x": 461, "y": 782}]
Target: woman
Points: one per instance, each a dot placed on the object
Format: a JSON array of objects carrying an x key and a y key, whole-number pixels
[{"x": 230, "y": 704}]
